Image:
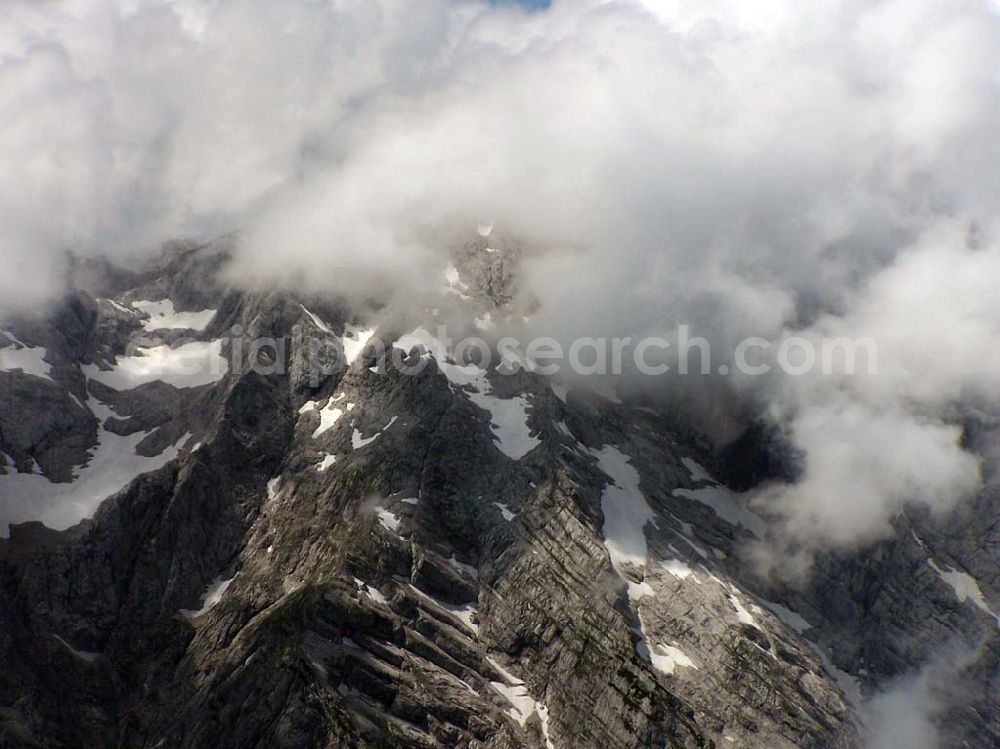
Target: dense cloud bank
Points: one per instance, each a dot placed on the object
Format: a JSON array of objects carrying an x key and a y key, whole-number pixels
[{"x": 775, "y": 169}]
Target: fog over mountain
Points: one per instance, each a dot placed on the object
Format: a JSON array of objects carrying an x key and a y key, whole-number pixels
[
  {"x": 770, "y": 169},
  {"x": 759, "y": 168}
]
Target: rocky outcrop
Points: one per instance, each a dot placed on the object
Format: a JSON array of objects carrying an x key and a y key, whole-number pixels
[{"x": 365, "y": 558}]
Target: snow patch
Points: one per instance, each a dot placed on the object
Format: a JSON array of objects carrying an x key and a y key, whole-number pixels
[
  {"x": 328, "y": 460},
  {"x": 372, "y": 592},
  {"x": 664, "y": 658},
  {"x": 463, "y": 613},
  {"x": 669, "y": 658},
  {"x": 83, "y": 655},
  {"x": 513, "y": 360},
  {"x": 112, "y": 465},
  {"x": 505, "y": 511},
  {"x": 847, "y": 683},
  {"x": 698, "y": 473},
  {"x": 741, "y": 613},
  {"x": 625, "y": 509},
  {"x": 116, "y": 305},
  {"x": 354, "y": 341},
  {"x": 211, "y": 597},
  {"x": 543, "y": 716},
  {"x": 421, "y": 338},
  {"x": 509, "y": 422},
  {"x": 274, "y": 488},
  {"x": 564, "y": 430},
  {"x": 387, "y": 519},
  {"x": 316, "y": 321},
  {"x": 328, "y": 416},
  {"x": 357, "y": 441},
  {"x": 677, "y": 568},
  {"x": 28, "y": 359},
  {"x": 788, "y": 617},
  {"x": 453, "y": 282},
  {"x": 729, "y": 505},
  {"x": 163, "y": 316},
  {"x": 637, "y": 591},
  {"x": 189, "y": 365},
  {"x": 508, "y": 416},
  {"x": 523, "y": 705},
  {"x": 965, "y": 586}
]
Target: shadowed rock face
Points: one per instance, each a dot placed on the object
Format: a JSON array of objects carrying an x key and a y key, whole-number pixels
[{"x": 393, "y": 577}]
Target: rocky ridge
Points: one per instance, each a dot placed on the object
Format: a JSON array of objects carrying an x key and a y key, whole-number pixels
[{"x": 456, "y": 557}]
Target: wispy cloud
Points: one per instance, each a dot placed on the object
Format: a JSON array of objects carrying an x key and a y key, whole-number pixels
[{"x": 765, "y": 168}]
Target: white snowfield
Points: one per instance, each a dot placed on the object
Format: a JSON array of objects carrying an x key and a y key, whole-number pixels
[
  {"x": 358, "y": 440},
  {"x": 387, "y": 520},
  {"x": 626, "y": 513},
  {"x": 422, "y": 338},
  {"x": 28, "y": 359},
  {"x": 454, "y": 283},
  {"x": 317, "y": 321},
  {"x": 354, "y": 340},
  {"x": 116, "y": 305},
  {"x": 741, "y": 612},
  {"x": 789, "y": 618},
  {"x": 371, "y": 591},
  {"x": 163, "y": 316},
  {"x": 211, "y": 597},
  {"x": 274, "y": 488},
  {"x": 508, "y": 416},
  {"x": 678, "y": 569},
  {"x": 667, "y": 658},
  {"x": 328, "y": 417},
  {"x": 188, "y": 365},
  {"x": 112, "y": 465},
  {"x": 507, "y": 513},
  {"x": 965, "y": 586},
  {"x": 522, "y": 704},
  {"x": 728, "y": 505}
]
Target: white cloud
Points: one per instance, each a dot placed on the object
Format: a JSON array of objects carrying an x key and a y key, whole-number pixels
[
  {"x": 902, "y": 716},
  {"x": 765, "y": 168},
  {"x": 917, "y": 709}
]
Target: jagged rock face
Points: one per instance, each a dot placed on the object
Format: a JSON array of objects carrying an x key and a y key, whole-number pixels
[
  {"x": 300, "y": 554},
  {"x": 488, "y": 266}
]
